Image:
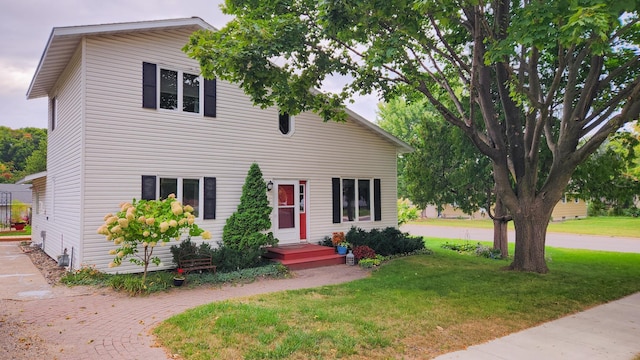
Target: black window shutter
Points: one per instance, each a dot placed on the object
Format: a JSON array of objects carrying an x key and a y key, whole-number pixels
[
  {"x": 210, "y": 98},
  {"x": 148, "y": 187},
  {"x": 209, "y": 211},
  {"x": 335, "y": 185},
  {"x": 377, "y": 206},
  {"x": 148, "y": 85}
]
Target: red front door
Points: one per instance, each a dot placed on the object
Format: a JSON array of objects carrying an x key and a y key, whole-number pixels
[
  {"x": 290, "y": 207},
  {"x": 303, "y": 210}
]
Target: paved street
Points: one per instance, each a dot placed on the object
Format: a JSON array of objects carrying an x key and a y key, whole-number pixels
[{"x": 563, "y": 240}]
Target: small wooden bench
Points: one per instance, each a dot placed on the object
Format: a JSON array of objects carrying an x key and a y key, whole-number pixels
[{"x": 201, "y": 263}]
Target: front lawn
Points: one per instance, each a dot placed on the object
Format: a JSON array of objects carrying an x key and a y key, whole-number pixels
[
  {"x": 414, "y": 307},
  {"x": 602, "y": 225}
]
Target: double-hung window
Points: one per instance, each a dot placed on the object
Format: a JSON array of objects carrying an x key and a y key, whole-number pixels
[
  {"x": 200, "y": 193},
  {"x": 177, "y": 90},
  {"x": 187, "y": 191},
  {"x": 180, "y": 91},
  {"x": 356, "y": 200}
]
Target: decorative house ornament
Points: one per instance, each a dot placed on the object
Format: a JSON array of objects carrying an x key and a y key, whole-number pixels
[{"x": 351, "y": 259}]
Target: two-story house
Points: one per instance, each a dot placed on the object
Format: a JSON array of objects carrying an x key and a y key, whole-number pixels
[{"x": 131, "y": 117}]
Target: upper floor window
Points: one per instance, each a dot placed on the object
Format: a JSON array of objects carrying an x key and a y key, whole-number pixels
[
  {"x": 177, "y": 90},
  {"x": 285, "y": 123},
  {"x": 53, "y": 112}
]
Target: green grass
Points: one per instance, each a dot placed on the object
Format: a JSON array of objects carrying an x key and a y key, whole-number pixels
[
  {"x": 604, "y": 225},
  {"x": 413, "y": 307},
  {"x": 26, "y": 231}
]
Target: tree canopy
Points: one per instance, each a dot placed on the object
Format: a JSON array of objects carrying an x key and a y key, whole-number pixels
[
  {"x": 610, "y": 178},
  {"x": 445, "y": 167},
  {"x": 535, "y": 74},
  {"x": 22, "y": 152}
]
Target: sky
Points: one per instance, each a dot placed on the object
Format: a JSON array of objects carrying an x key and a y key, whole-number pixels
[{"x": 26, "y": 25}]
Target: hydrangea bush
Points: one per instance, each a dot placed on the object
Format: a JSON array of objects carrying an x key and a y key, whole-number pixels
[{"x": 147, "y": 224}]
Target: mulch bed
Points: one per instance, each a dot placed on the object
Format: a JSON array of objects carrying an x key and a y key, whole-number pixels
[{"x": 47, "y": 266}]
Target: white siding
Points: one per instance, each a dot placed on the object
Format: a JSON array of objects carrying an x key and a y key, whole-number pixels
[
  {"x": 125, "y": 141},
  {"x": 39, "y": 209},
  {"x": 64, "y": 158}
]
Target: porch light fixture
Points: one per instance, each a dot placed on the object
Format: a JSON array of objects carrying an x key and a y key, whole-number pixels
[{"x": 270, "y": 185}]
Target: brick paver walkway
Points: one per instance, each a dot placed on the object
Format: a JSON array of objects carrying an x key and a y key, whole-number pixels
[{"x": 88, "y": 323}]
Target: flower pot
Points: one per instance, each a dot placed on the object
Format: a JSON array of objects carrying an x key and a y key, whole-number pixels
[
  {"x": 342, "y": 250},
  {"x": 19, "y": 226},
  {"x": 178, "y": 281}
]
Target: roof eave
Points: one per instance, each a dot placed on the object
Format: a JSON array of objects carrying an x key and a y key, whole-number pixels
[
  {"x": 30, "y": 178},
  {"x": 36, "y": 89},
  {"x": 402, "y": 146}
]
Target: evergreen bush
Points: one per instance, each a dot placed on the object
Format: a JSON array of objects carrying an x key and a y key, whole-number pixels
[
  {"x": 389, "y": 241},
  {"x": 246, "y": 230}
]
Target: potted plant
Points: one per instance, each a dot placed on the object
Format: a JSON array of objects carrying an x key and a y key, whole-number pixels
[
  {"x": 19, "y": 225},
  {"x": 18, "y": 210},
  {"x": 342, "y": 247},
  {"x": 178, "y": 280}
]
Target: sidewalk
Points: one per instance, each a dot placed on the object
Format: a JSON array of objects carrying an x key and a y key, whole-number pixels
[{"x": 605, "y": 332}]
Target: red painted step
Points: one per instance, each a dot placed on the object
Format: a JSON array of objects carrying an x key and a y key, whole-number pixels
[{"x": 304, "y": 256}]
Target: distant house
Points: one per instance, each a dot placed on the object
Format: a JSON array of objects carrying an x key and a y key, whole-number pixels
[
  {"x": 9, "y": 194},
  {"x": 131, "y": 117},
  {"x": 567, "y": 208}
]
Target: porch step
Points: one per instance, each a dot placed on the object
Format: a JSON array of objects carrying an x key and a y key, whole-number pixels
[{"x": 304, "y": 256}]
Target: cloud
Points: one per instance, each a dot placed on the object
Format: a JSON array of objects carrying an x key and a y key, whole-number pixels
[{"x": 16, "y": 78}]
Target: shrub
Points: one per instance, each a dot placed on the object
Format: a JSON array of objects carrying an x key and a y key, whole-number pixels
[
  {"x": 371, "y": 262},
  {"x": 389, "y": 241},
  {"x": 487, "y": 252},
  {"x": 406, "y": 211},
  {"x": 327, "y": 241},
  {"x": 148, "y": 223},
  {"x": 363, "y": 252},
  {"x": 246, "y": 228},
  {"x": 230, "y": 259},
  {"x": 466, "y": 247},
  {"x": 187, "y": 249},
  {"x": 224, "y": 257},
  {"x": 474, "y": 249}
]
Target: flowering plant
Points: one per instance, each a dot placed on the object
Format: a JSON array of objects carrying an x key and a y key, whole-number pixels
[
  {"x": 337, "y": 238},
  {"x": 180, "y": 272},
  {"x": 148, "y": 223}
]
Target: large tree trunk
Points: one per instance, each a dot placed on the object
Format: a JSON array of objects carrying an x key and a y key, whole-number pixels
[
  {"x": 500, "y": 234},
  {"x": 531, "y": 229}
]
